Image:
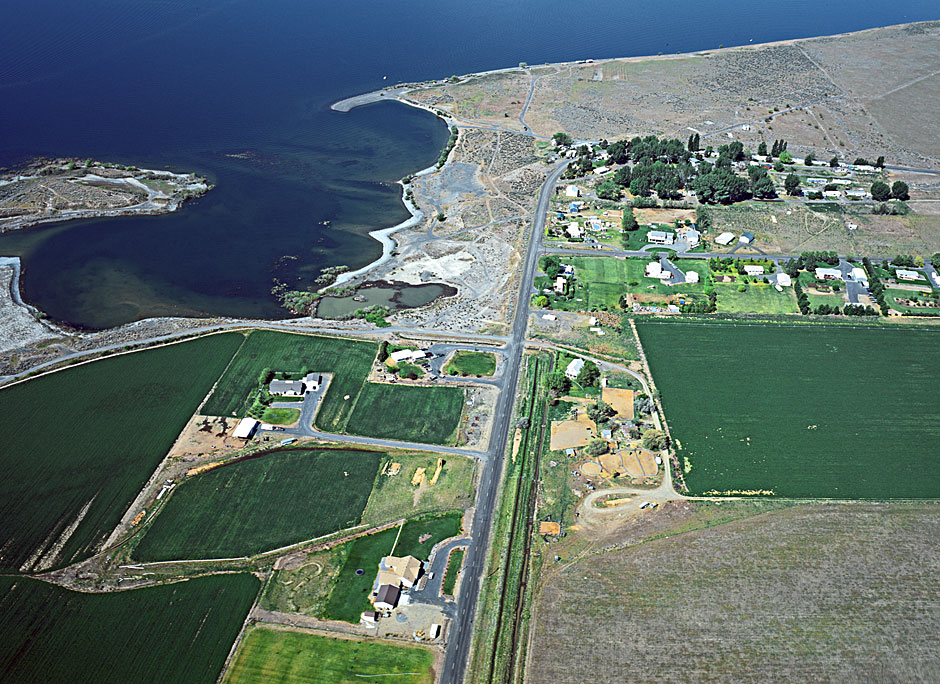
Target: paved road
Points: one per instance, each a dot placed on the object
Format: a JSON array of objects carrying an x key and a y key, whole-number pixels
[{"x": 461, "y": 629}]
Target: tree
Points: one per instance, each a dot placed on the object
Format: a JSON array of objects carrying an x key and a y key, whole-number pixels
[
  {"x": 764, "y": 188},
  {"x": 703, "y": 219},
  {"x": 762, "y": 149},
  {"x": 786, "y": 157},
  {"x": 900, "y": 191},
  {"x": 792, "y": 185},
  {"x": 834, "y": 162},
  {"x": 562, "y": 139},
  {"x": 861, "y": 161},
  {"x": 628, "y": 222},
  {"x": 600, "y": 412},
  {"x": 808, "y": 159},
  {"x": 778, "y": 166},
  {"x": 640, "y": 187},
  {"x": 880, "y": 191},
  {"x": 596, "y": 447},
  {"x": 623, "y": 177},
  {"x": 557, "y": 383},
  {"x": 880, "y": 162},
  {"x": 588, "y": 375},
  {"x": 383, "y": 351},
  {"x": 608, "y": 190},
  {"x": 655, "y": 440},
  {"x": 541, "y": 302},
  {"x": 551, "y": 264}
]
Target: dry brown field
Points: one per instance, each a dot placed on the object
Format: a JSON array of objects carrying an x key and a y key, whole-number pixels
[{"x": 745, "y": 592}]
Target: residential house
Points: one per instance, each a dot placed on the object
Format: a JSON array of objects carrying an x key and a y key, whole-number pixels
[
  {"x": 784, "y": 280},
  {"x": 572, "y": 191},
  {"x": 560, "y": 284},
  {"x": 574, "y": 231},
  {"x": 287, "y": 388},
  {"x": 828, "y": 274},
  {"x": 406, "y": 568},
  {"x": 753, "y": 270},
  {"x": 659, "y": 237},
  {"x": 691, "y": 236},
  {"x": 903, "y": 274},
  {"x": 574, "y": 368}
]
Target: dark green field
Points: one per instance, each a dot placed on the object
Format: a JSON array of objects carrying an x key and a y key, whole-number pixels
[
  {"x": 278, "y": 656},
  {"x": 804, "y": 411},
  {"x": 348, "y": 360},
  {"x": 406, "y": 412},
  {"x": 91, "y": 436},
  {"x": 350, "y": 595},
  {"x": 261, "y": 504},
  {"x": 167, "y": 634}
]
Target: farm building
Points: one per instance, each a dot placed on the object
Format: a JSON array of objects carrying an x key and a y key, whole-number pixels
[
  {"x": 406, "y": 569},
  {"x": 859, "y": 275},
  {"x": 754, "y": 270},
  {"x": 654, "y": 270},
  {"x": 312, "y": 381},
  {"x": 386, "y": 598},
  {"x": 725, "y": 239},
  {"x": 574, "y": 368},
  {"x": 784, "y": 280},
  {"x": 691, "y": 277},
  {"x": 572, "y": 191},
  {"x": 828, "y": 274},
  {"x": 659, "y": 237},
  {"x": 287, "y": 388},
  {"x": 746, "y": 238},
  {"x": 369, "y": 617},
  {"x": 246, "y": 428},
  {"x": 904, "y": 274}
]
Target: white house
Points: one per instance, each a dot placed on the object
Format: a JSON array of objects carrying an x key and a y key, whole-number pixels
[
  {"x": 746, "y": 238},
  {"x": 691, "y": 277},
  {"x": 859, "y": 275},
  {"x": 784, "y": 280},
  {"x": 658, "y": 237},
  {"x": 828, "y": 274},
  {"x": 600, "y": 170},
  {"x": 858, "y": 194},
  {"x": 903, "y": 274},
  {"x": 560, "y": 283},
  {"x": 574, "y": 368},
  {"x": 574, "y": 231},
  {"x": 691, "y": 236},
  {"x": 816, "y": 181},
  {"x": 400, "y": 355},
  {"x": 725, "y": 239},
  {"x": 572, "y": 191},
  {"x": 754, "y": 270},
  {"x": 653, "y": 270},
  {"x": 550, "y": 317}
]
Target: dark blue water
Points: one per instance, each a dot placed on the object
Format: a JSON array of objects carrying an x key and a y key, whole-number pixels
[{"x": 184, "y": 84}]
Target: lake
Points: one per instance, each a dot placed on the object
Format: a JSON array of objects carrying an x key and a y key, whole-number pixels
[{"x": 240, "y": 91}]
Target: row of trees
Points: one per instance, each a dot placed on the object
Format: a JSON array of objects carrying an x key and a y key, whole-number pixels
[
  {"x": 880, "y": 192},
  {"x": 875, "y": 285}
]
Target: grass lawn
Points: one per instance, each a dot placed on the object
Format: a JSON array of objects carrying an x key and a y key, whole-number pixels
[
  {"x": 407, "y": 412},
  {"x": 759, "y": 298},
  {"x": 350, "y": 595},
  {"x": 830, "y": 299},
  {"x": 280, "y": 416},
  {"x": 405, "y": 368},
  {"x": 167, "y": 634},
  {"x": 349, "y": 361},
  {"x": 79, "y": 444},
  {"x": 892, "y": 295},
  {"x": 804, "y": 411},
  {"x": 394, "y": 497},
  {"x": 453, "y": 571},
  {"x": 262, "y": 503},
  {"x": 471, "y": 363},
  {"x": 278, "y": 656}
]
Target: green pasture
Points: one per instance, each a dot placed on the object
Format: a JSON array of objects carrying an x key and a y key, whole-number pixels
[
  {"x": 350, "y": 595},
  {"x": 280, "y": 416},
  {"x": 472, "y": 363},
  {"x": 348, "y": 360},
  {"x": 79, "y": 444},
  {"x": 802, "y": 410},
  {"x": 167, "y": 634},
  {"x": 262, "y": 503},
  {"x": 758, "y": 298},
  {"x": 408, "y": 413},
  {"x": 277, "y": 656}
]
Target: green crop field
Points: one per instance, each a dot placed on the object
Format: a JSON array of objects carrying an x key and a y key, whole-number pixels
[
  {"x": 804, "y": 411},
  {"x": 262, "y": 503},
  {"x": 79, "y": 444},
  {"x": 350, "y": 595},
  {"x": 410, "y": 413},
  {"x": 759, "y": 298},
  {"x": 454, "y": 564},
  {"x": 278, "y": 656},
  {"x": 472, "y": 363},
  {"x": 348, "y": 360},
  {"x": 158, "y": 635}
]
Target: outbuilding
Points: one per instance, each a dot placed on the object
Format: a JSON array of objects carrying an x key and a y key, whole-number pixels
[
  {"x": 574, "y": 368},
  {"x": 387, "y": 597},
  {"x": 725, "y": 239},
  {"x": 784, "y": 280},
  {"x": 746, "y": 238},
  {"x": 246, "y": 428},
  {"x": 691, "y": 276},
  {"x": 572, "y": 191}
]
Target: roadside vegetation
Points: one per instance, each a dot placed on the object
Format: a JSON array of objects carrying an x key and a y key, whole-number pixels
[{"x": 454, "y": 566}]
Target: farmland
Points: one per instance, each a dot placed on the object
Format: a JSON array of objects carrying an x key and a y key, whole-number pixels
[
  {"x": 407, "y": 412},
  {"x": 351, "y": 592},
  {"x": 280, "y": 656},
  {"x": 168, "y": 634},
  {"x": 80, "y": 443},
  {"x": 348, "y": 360},
  {"x": 802, "y": 411},
  {"x": 828, "y": 592},
  {"x": 471, "y": 363},
  {"x": 262, "y": 503}
]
